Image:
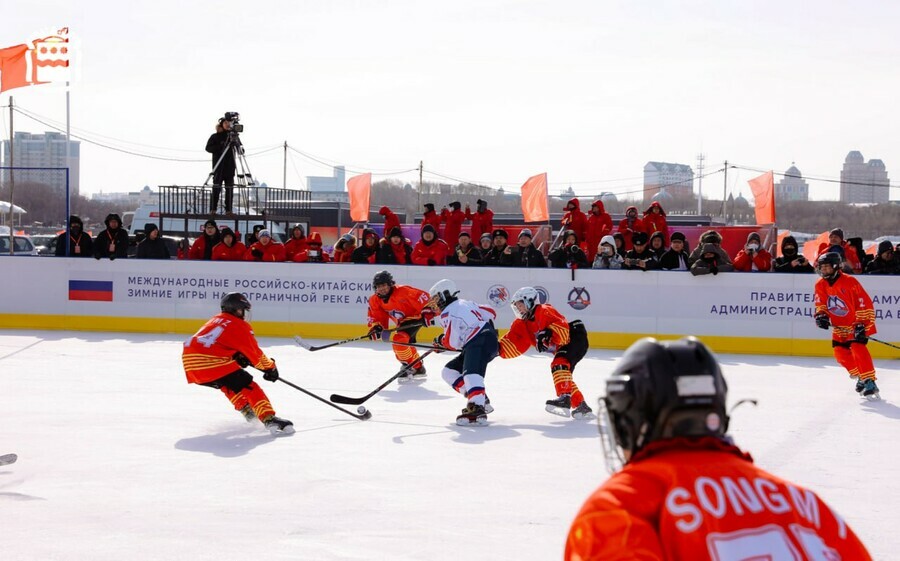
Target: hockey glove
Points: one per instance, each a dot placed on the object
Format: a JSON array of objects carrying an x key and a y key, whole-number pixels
[
  {"x": 439, "y": 343},
  {"x": 432, "y": 262},
  {"x": 242, "y": 361},
  {"x": 859, "y": 334},
  {"x": 543, "y": 340},
  {"x": 822, "y": 321},
  {"x": 271, "y": 374},
  {"x": 428, "y": 316},
  {"x": 375, "y": 332},
  {"x": 256, "y": 253}
]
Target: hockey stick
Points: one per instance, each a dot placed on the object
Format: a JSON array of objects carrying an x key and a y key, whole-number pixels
[
  {"x": 424, "y": 346},
  {"x": 884, "y": 343},
  {"x": 299, "y": 340},
  {"x": 337, "y": 398},
  {"x": 365, "y": 415},
  {"x": 7, "y": 459}
]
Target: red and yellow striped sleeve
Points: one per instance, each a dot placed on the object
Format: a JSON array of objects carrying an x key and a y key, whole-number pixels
[
  {"x": 516, "y": 341},
  {"x": 547, "y": 317}
]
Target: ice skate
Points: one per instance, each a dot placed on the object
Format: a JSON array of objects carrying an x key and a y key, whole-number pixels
[
  {"x": 870, "y": 390},
  {"x": 560, "y": 406},
  {"x": 488, "y": 408},
  {"x": 278, "y": 426},
  {"x": 860, "y": 386},
  {"x": 419, "y": 373},
  {"x": 411, "y": 374},
  {"x": 473, "y": 414},
  {"x": 583, "y": 412},
  {"x": 248, "y": 413}
]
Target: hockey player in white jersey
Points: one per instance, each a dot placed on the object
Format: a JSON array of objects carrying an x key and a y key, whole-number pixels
[{"x": 468, "y": 327}]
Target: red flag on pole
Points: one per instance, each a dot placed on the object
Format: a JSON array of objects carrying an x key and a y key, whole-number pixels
[
  {"x": 534, "y": 199},
  {"x": 763, "y": 188},
  {"x": 358, "y": 190},
  {"x": 14, "y": 67}
]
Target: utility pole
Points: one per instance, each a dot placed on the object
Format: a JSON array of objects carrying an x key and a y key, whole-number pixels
[
  {"x": 725, "y": 195},
  {"x": 284, "y": 170},
  {"x": 700, "y": 158},
  {"x": 419, "y": 190}
]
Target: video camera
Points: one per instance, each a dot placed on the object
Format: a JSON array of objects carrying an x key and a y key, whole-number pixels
[{"x": 234, "y": 118}]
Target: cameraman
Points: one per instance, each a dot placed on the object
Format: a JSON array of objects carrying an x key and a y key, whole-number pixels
[
  {"x": 220, "y": 146},
  {"x": 791, "y": 261}
]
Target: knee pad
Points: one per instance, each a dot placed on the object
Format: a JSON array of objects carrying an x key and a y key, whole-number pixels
[{"x": 236, "y": 381}]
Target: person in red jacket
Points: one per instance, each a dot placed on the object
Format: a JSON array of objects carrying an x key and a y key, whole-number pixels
[
  {"x": 681, "y": 489},
  {"x": 430, "y": 250},
  {"x": 229, "y": 249},
  {"x": 541, "y": 326},
  {"x": 482, "y": 220},
  {"x": 216, "y": 355},
  {"x": 753, "y": 257},
  {"x": 431, "y": 217},
  {"x": 203, "y": 246},
  {"x": 453, "y": 220},
  {"x": 852, "y": 262},
  {"x": 265, "y": 249},
  {"x": 296, "y": 244},
  {"x": 631, "y": 224},
  {"x": 344, "y": 248},
  {"x": 844, "y": 305},
  {"x": 395, "y": 249},
  {"x": 599, "y": 224},
  {"x": 574, "y": 219},
  {"x": 655, "y": 221},
  {"x": 314, "y": 252},
  {"x": 391, "y": 220},
  {"x": 403, "y": 305}
]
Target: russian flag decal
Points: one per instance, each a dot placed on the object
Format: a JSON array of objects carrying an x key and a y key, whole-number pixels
[{"x": 96, "y": 291}]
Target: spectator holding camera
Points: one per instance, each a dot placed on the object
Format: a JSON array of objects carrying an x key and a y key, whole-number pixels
[
  {"x": 607, "y": 257},
  {"x": 220, "y": 147},
  {"x": 313, "y": 252},
  {"x": 113, "y": 241},
  {"x": 753, "y": 257},
  {"x": 525, "y": 254},
  {"x": 711, "y": 260},
  {"x": 230, "y": 248},
  {"x": 203, "y": 246},
  {"x": 886, "y": 263},
  {"x": 465, "y": 253},
  {"x": 640, "y": 257},
  {"x": 791, "y": 261},
  {"x": 714, "y": 238},
  {"x": 266, "y": 249},
  {"x": 676, "y": 258},
  {"x": 430, "y": 250},
  {"x": 570, "y": 255},
  {"x": 368, "y": 251}
]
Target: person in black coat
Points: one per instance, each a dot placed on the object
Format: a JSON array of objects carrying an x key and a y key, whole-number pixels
[
  {"x": 367, "y": 252},
  {"x": 80, "y": 243},
  {"x": 677, "y": 257},
  {"x": 640, "y": 257},
  {"x": 500, "y": 254},
  {"x": 790, "y": 261},
  {"x": 570, "y": 255},
  {"x": 152, "y": 246},
  {"x": 395, "y": 249},
  {"x": 113, "y": 241},
  {"x": 886, "y": 263},
  {"x": 465, "y": 253},
  {"x": 218, "y": 145},
  {"x": 525, "y": 254}
]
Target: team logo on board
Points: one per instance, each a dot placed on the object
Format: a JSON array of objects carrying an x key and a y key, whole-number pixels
[
  {"x": 543, "y": 294},
  {"x": 579, "y": 298},
  {"x": 498, "y": 295}
]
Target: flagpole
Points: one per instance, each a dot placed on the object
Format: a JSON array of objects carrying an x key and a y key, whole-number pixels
[
  {"x": 68, "y": 168},
  {"x": 12, "y": 179}
]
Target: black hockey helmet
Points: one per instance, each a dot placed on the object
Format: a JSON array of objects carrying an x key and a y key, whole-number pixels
[
  {"x": 661, "y": 390},
  {"x": 236, "y": 304},
  {"x": 383, "y": 277},
  {"x": 829, "y": 258}
]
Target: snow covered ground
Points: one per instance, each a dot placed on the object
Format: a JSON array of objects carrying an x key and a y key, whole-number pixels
[{"x": 119, "y": 458}]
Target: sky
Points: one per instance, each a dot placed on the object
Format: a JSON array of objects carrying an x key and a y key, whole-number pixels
[
  {"x": 490, "y": 92},
  {"x": 120, "y": 458}
]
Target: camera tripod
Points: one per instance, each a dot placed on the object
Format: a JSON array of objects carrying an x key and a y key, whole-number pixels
[{"x": 244, "y": 178}]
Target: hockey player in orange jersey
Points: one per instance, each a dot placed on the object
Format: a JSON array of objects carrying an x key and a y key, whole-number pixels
[
  {"x": 543, "y": 327},
  {"x": 843, "y": 304},
  {"x": 403, "y": 305},
  {"x": 686, "y": 492},
  {"x": 217, "y": 354}
]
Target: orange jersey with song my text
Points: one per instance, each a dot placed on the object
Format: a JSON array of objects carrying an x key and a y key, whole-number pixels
[
  {"x": 207, "y": 355},
  {"x": 521, "y": 334},
  {"x": 691, "y": 500},
  {"x": 405, "y": 302},
  {"x": 846, "y": 303}
]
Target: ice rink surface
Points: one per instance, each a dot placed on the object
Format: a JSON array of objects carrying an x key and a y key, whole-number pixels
[{"x": 119, "y": 458}]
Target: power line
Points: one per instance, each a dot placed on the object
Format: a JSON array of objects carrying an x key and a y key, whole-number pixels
[{"x": 812, "y": 178}]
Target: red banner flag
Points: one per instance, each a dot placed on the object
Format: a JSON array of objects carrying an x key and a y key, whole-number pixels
[
  {"x": 358, "y": 189},
  {"x": 763, "y": 188},
  {"x": 812, "y": 248},
  {"x": 14, "y": 67},
  {"x": 534, "y": 199}
]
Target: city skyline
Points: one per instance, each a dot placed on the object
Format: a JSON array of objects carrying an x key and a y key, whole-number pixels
[{"x": 490, "y": 93}]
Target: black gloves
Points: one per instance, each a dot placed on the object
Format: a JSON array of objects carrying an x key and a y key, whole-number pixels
[
  {"x": 271, "y": 374},
  {"x": 714, "y": 269},
  {"x": 112, "y": 256},
  {"x": 432, "y": 262},
  {"x": 859, "y": 334},
  {"x": 375, "y": 332},
  {"x": 242, "y": 361},
  {"x": 438, "y": 342},
  {"x": 256, "y": 252},
  {"x": 822, "y": 321},
  {"x": 543, "y": 340},
  {"x": 97, "y": 256}
]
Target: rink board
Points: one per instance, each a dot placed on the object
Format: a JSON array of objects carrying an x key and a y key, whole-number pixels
[{"x": 758, "y": 313}]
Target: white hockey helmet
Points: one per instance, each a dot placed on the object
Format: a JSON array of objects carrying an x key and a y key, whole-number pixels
[
  {"x": 443, "y": 293},
  {"x": 528, "y": 296}
]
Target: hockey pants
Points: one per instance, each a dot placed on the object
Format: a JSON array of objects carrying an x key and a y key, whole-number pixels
[{"x": 466, "y": 372}]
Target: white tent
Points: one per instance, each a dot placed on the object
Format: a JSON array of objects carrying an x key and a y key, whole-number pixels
[{"x": 4, "y": 207}]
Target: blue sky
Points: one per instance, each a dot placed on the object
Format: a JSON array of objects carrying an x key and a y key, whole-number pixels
[{"x": 491, "y": 91}]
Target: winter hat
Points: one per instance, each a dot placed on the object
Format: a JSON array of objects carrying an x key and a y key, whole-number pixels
[
  {"x": 885, "y": 246},
  {"x": 480, "y": 202},
  {"x": 75, "y": 220},
  {"x": 639, "y": 238},
  {"x": 678, "y": 236},
  {"x": 456, "y": 205},
  {"x": 226, "y": 231},
  {"x": 837, "y": 232},
  {"x": 264, "y": 234},
  {"x": 789, "y": 241},
  {"x": 349, "y": 238},
  {"x": 711, "y": 237},
  {"x": 149, "y": 227},
  {"x": 753, "y": 236},
  {"x": 395, "y": 231},
  {"x": 485, "y": 236},
  {"x": 428, "y": 228},
  {"x": 110, "y": 217},
  {"x": 210, "y": 222},
  {"x": 525, "y": 232},
  {"x": 466, "y": 234},
  {"x": 429, "y": 207},
  {"x": 501, "y": 233}
]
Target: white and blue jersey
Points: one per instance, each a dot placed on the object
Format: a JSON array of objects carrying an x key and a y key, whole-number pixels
[
  {"x": 462, "y": 320},
  {"x": 469, "y": 327}
]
